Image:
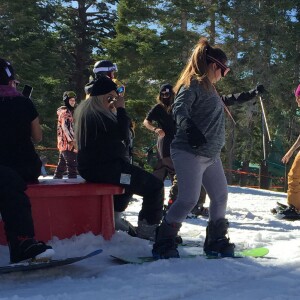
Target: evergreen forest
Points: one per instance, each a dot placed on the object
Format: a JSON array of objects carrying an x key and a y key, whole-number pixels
[{"x": 53, "y": 45}]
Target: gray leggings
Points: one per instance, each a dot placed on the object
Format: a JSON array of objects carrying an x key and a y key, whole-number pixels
[{"x": 193, "y": 171}]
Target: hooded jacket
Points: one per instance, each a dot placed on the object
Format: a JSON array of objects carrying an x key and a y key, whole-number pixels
[{"x": 65, "y": 129}]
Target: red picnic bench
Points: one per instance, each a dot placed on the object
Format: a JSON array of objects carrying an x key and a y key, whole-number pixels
[{"x": 64, "y": 208}]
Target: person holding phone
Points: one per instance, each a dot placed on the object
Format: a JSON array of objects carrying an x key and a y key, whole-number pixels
[
  {"x": 65, "y": 138},
  {"x": 102, "y": 137},
  {"x": 19, "y": 165},
  {"x": 104, "y": 68},
  {"x": 19, "y": 127}
]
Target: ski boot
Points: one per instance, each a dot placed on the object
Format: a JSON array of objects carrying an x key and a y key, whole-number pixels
[{"x": 289, "y": 213}]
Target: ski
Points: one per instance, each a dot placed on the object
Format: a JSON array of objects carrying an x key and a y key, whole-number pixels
[
  {"x": 31, "y": 265},
  {"x": 251, "y": 252}
]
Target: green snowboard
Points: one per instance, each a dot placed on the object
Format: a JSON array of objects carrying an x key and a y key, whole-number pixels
[{"x": 251, "y": 252}]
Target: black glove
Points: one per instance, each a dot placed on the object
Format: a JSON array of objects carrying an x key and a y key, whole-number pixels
[
  {"x": 194, "y": 135},
  {"x": 260, "y": 89}
]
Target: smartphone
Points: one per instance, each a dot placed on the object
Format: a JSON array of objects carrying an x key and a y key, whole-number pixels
[
  {"x": 120, "y": 89},
  {"x": 27, "y": 90}
]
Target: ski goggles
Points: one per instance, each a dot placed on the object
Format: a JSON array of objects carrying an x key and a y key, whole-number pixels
[{"x": 223, "y": 67}]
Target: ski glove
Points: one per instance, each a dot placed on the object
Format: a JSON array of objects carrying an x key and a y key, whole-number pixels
[
  {"x": 257, "y": 91},
  {"x": 195, "y": 137},
  {"x": 260, "y": 89}
]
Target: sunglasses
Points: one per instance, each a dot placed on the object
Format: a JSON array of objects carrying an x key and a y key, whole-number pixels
[
  {"x": 165, "y": 94},
  {"x": 223, "y": 67}
]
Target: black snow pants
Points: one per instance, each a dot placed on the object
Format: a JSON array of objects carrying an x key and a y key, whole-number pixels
[
  {"x": 135, "y": 180},
  {"x": 15, "y": 205}
]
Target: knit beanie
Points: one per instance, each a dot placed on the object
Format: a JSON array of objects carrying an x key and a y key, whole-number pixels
[
  {"x": 102, "y": 86},
  {"x": 6, "y": 72},
  {"x": 297, "y": 91}
]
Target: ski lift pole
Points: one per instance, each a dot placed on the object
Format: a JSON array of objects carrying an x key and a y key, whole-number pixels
[
  {"x": 263, "y": 126},
  {"x": 264, "y": 182},
  {"x": 264, "y": 118}
]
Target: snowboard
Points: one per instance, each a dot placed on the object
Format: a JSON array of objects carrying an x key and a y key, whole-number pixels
[
  {"x": 31, "y": 265},
  {"x": 251, "y": 252}
]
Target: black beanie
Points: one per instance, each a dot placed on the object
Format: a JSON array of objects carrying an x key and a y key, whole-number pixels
[
  {"x": 167, "y": 87},
  {"x": 6, "y": 72},
  {"x": 102, "y": 86}
]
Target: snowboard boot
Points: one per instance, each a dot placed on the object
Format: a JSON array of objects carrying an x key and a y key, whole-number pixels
[
  {"x": 198, "y": 211},
  {"x": 145, "y": 230},
  {"x": 22, "y": 249},
  {"x": 216, "y": 243},
  {"x": 123, "y": 225},
  {"x": 165, "y": 245},
  {"x": 289, "y": 213}
]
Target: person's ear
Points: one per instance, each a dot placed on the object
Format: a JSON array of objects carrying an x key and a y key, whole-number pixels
[{"x": 215, "y": 67}]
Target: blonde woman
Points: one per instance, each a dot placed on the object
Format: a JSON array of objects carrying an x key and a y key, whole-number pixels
[
  {"x": 195, "y": 151},
  {"x": 103, "y": 137}
]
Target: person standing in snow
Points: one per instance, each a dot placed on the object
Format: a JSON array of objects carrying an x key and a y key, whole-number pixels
[
  {"x": 19, "y": 165},
  {"x": 20, "y": 127},
  {"x": 65, "y": 138},
  {"x": 102, "y": 137},
  {"x": 199, "y": 114},
  {"x": 161, "y": 113},
  {"x": 293, "y": 193}
]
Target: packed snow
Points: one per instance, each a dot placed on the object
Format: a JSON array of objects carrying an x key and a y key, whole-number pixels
[{"x": 100, "y": 277}]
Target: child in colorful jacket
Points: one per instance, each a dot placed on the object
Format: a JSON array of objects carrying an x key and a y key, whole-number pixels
[{"x": 65, "y": 138}]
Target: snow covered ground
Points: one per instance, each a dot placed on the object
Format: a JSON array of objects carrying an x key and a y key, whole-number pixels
[{"x": 252, "y": 225}]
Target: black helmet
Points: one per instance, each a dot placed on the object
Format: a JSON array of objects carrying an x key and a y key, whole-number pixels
[
  {"x": 66, "y": 97},
  {"x": 104, "y": 66}
]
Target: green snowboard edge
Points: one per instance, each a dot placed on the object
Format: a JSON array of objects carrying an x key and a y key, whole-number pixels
[{"x": 251, "y": 252}]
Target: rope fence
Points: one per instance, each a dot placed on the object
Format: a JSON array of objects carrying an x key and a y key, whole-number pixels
[{"x": 278, "y": 182}]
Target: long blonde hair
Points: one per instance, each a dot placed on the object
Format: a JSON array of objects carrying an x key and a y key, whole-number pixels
[
  {"x": 197, "y": 65},
  {"x": 93, "y": 108}
]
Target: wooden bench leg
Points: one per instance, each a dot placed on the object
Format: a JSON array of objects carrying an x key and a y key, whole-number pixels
[{"x": 107, "y": 216}]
